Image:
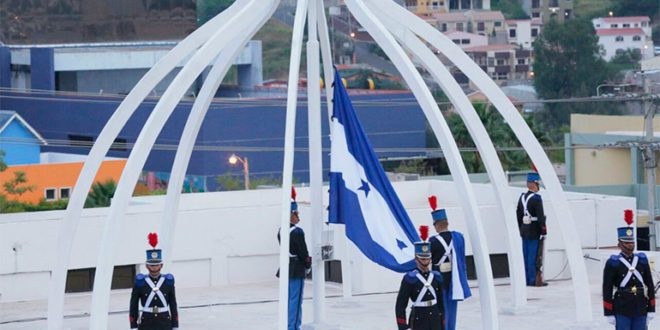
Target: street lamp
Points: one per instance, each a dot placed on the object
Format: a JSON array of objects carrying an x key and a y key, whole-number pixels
[{"x": 233, "y": 159}]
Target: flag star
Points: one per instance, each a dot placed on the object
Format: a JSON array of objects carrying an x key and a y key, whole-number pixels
[
  {"x": 401, "y": 244},
  {"x": 365, "y": 187}
]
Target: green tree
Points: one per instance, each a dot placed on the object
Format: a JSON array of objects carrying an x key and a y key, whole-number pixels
[
  {"x": 566, "y": 65},
  {"x": 207, "y": 9},
  {"x": 3, "y": 165},
  {"x": 510, "y": 8},
  {"x": 101, "y": 194},
  {"x": 16, "y": 185},
  {"x": 636, "y": 8}
]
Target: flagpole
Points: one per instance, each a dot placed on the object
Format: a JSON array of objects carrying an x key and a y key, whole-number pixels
[
  {"x": 315, "y": 161},
  {"x": 287, "y": 168}
]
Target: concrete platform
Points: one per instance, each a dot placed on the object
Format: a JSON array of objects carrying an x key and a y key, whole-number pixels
[{"x": 254, "y": 306}]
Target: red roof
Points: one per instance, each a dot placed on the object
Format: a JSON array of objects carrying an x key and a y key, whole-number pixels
[
  {"x": 626, "y": 19},
  {"x": 611, "y": 32}
]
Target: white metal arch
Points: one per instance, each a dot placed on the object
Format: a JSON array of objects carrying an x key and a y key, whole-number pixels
[
  {"x": 485, "y": 146},
  {"x": 526, "y": 138},
  {"x": 252, "y": 13},
  {"x": 454, "y": 160},
  {"x": 110, "y": 131}
]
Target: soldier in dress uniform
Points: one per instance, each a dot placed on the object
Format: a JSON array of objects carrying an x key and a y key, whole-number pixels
[
  {"x": 422, "y": 286},
  {"x": 633, "y": 304},
  {"x": 531, "y": 222},
  {"x": 155, "y": 293},
  {"x": 448, "y": 257},
  {"x": 300, "y": 264}
]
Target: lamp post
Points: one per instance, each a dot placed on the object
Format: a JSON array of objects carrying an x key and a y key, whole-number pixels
[{"x": 233, "y": 159}]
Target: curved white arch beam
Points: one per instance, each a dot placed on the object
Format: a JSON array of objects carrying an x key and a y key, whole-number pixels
[
  {"x": 456, "y": 166},
  {"x": 527, "y": 140},
  {"x": 287, "y": 167},
  {"x": 144, "y": 143},
  {"x": 187, "y": 142},
  {"x": 326, "y": 56},
  {"x": 483, "y": 142},
  {"x": 110, "y": 131}
]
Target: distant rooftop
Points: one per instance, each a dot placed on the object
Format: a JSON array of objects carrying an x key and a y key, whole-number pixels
[
  {"x": 490, "y": 47},
  {"x": 626, "y": 19},
  {"x": 609, "y": 32}
]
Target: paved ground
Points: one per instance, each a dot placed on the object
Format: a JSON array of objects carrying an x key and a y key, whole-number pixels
[{"x": 254, "y": 306}]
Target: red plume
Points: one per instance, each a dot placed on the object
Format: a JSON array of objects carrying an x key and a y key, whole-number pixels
[
  {"x": 293, "y": 193},
  {"x": 153, "y": 239},
  {"x": 433, "y": 201},
  {"x": 424, "y": 232},
  {"x": 628, "y": 216},
  {"x": 534, "y": 167}
]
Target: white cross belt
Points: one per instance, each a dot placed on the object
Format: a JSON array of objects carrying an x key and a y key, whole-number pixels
[
  {"x": 155, "y": 290},
  {"x": 427, "y": 284},
  {"x": 632, "y": 270}
]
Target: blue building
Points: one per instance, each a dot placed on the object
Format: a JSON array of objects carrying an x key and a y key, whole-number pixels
[{"x": 20, "y": 142}]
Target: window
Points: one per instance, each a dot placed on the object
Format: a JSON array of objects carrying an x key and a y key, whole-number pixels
[
  {"x": 535, "y": 32},
  {"x": 512, "y": 33},
  {"x": 619, "y": 38},
  {"x": 536, "y": 15},
  {"x": 521, "y": 61},
  {"x": 465, "y": 41},
  {"x": 501, "y": 62},
  {"x": 498, "y": 23},
  {"x": 554, "y": 3},
  {"x": 637, "y": 38},
  {"x": 80, "y": 140},
  {"x": 490, "y": 61},
  {"x": 82, "y": 280},
  {"x": 536, "y": 4},
  {"x": 625, "y": 25},
  {"x": 50, "y": 194},
  {"x": 456, "y": 41},
  {"x": 119, "y": 145},
  {"x": 501, "y": 76},
  {"x": 614, "y": 26},
  {"x": 636, "y": 24},
  {"x": 65, "y": 192},
  {"x": 459, "y": 26},
  {"x": 643, "y": 24},
  {"x": 443, "y": 27},
  {"x": 481, "y": 26}
]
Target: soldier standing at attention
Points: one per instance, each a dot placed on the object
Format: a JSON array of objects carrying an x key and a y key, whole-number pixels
[
  {"x": 423, "y": 287},
  {"x": 531, "y": 222},
  {"x": 300, "y": 264},
  {"x": 155, "y": 292},
  {"x": 448, "y": 256},
  {"x": 633, "y": 304}
]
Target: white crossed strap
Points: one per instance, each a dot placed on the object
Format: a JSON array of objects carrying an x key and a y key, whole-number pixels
[
  {"x": 524, "y": 201},
  {"x": 155, "y": 290},
  {"x": 449, "y": 248},
  {"x": 632, "y": 270},
  {"x": 427, "y": 285}
]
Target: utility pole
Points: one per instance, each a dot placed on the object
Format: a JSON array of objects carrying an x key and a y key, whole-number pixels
[{"x": 650, "y": 164}]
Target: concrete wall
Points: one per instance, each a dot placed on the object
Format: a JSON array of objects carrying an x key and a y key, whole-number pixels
[{"x": 222, "y": 235}]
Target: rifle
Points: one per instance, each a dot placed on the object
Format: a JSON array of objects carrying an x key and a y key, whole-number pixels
[
  {"x": 539, "y": 265},
  {"x": 412, "y": 317}
]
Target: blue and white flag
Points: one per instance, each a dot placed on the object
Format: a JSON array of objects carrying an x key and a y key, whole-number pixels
[{"x": 361, "y": 196}]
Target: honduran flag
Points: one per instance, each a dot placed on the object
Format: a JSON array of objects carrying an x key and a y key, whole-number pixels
[{"x": 361, "y": 196}]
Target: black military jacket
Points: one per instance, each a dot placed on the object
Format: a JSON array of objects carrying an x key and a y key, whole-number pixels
[
  {"x": 437, "y": 251},
  {"x": 300, "y": 260},
  {"x": 141, "y": 291},
  {"x": 421, "y": 318},
  {"x": 631, "y": 300},
  {"x": 537, "y": 228}
]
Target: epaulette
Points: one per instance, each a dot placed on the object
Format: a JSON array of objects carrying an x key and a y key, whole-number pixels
[
  {"x": 169, "y": 278},
  {"x": 433, "y": 238},
  {"x": 642, "y": 257},
  {"x": 139, "y": 279},
  {"x": 437, "y": 275},
  {"x": 537, "y": 196},
  {"x": 613, "y": 260},
  {"x": 411, "y": 276},
  {"x": 298, "y": 230}
]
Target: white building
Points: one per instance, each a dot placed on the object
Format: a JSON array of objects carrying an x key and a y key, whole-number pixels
[
  {"x": 523, "y": 31},
  {"x": 617, "y": 34},
  {"x": 466, "y": 39}
]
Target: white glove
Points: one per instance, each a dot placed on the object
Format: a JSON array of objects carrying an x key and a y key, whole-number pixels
[
  {"x": 649, "y": 316},
  {"x": 611, "y": 320},
  {"x": 308, "y": 270},
  {"x": 542, "y": 237}
]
